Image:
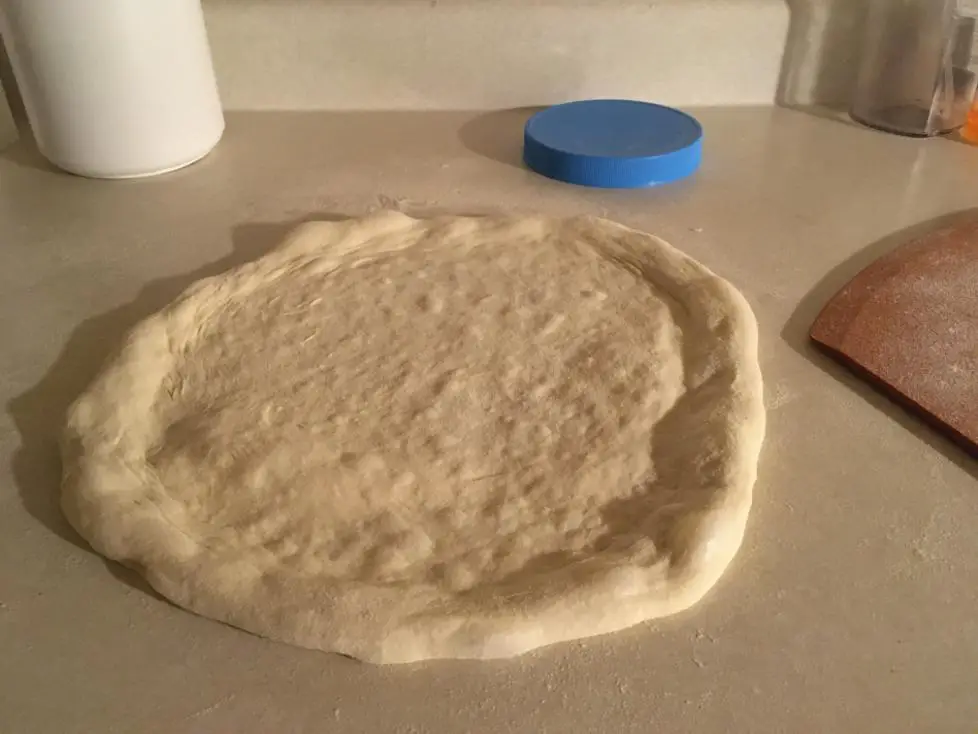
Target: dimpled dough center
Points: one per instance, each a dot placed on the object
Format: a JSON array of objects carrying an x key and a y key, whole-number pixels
[{"x": 403, "y": 439}]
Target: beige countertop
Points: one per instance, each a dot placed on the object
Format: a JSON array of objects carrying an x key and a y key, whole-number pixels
[{"x": 852, "y": 607}]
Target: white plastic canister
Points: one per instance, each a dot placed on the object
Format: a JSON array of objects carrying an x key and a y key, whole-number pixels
[{"x": 114, "y": 88}]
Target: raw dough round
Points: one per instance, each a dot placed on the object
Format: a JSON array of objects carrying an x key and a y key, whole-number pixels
[{"x": 403, "y": 439}]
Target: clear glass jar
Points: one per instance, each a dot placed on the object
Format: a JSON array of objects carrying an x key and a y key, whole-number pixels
[{"x": 913, "y": 76}]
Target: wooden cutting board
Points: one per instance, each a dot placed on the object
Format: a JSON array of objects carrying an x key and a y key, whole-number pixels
[{"x": 908, "y": 323}]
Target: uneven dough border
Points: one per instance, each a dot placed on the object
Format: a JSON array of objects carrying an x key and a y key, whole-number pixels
[{"x": 112, "y": 497}]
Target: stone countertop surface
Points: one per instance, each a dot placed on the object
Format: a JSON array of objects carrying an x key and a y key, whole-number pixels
[{"x": 852, "y": 606}]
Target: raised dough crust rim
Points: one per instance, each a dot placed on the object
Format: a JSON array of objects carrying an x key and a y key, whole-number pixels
[{"x": 111, "y": 495}]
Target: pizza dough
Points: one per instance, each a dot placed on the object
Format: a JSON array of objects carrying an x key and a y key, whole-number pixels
[{"x": 402, "y": 439}]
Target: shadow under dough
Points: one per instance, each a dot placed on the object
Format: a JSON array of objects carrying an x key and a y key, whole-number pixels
[
  {"x": 796, "y": 334},
  {"x": 39, "y": 414}
]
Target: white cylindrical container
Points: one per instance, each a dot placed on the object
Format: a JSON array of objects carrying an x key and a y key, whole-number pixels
[{"x": 115, "y": 88}]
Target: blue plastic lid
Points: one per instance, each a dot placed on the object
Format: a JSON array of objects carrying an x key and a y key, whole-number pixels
[{"x": 613, "y": 143}]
